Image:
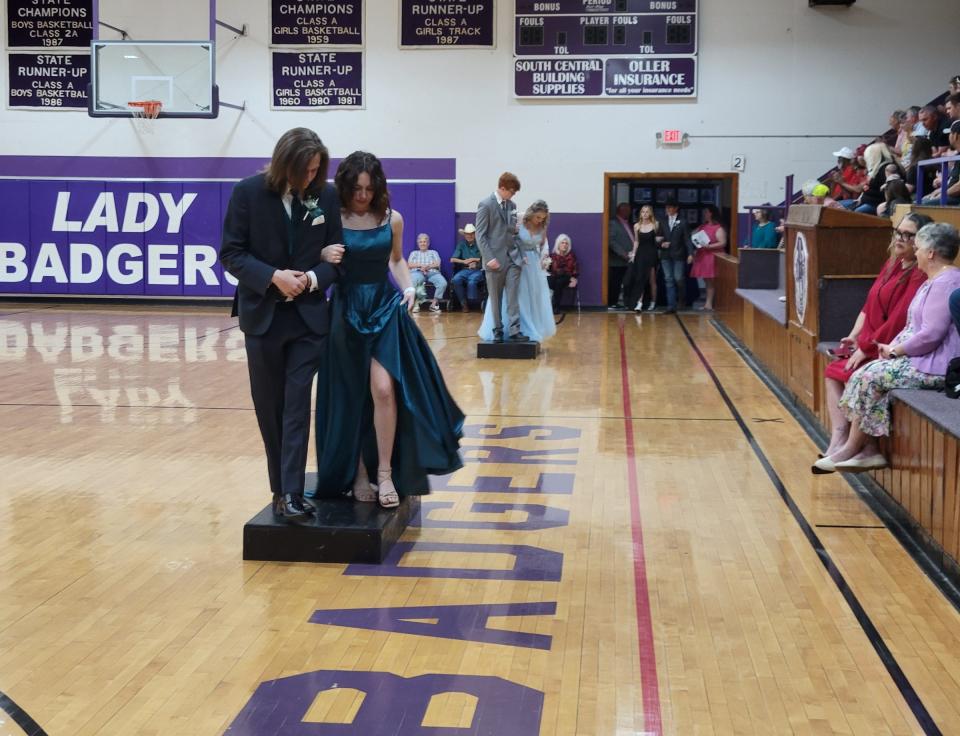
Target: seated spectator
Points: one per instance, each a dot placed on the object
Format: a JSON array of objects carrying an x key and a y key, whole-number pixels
[
  {"x": 425, "y": 266},
  {"x": 562, "y": 273},
  {"x": 922, "y": 150},
  {"x": 468, "y": 271},
  {"x": 816, "y": 193},
  {"x": 878, "y": 157},
  {"x": 895, "y": 192},
  {"x": 916, "y": 358},
  {"x": 953, "y": 178},
  {"x": 890, "y": 137},
  {"x": 952, "y": 108},
  {"x": 883, "y": 316},
  {"x": 914, "y": 113},
  {"x": 933, "y": 126},
  {"x": 848, "y": 178},
  {"x": 764, "y": 234},
  {"x": 904, "y": 132},
  {"x": 953, "y": 86}
]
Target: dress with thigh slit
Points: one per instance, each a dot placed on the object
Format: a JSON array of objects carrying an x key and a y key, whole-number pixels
[{"x": 369, "y": 321}]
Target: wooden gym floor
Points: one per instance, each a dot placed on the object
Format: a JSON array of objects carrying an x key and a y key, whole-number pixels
[{"x": 654, "y": 555}]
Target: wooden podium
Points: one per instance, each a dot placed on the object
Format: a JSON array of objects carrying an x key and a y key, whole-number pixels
[{"x": 823, "y": 242}]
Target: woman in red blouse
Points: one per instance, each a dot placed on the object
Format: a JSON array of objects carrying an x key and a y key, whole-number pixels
[{"x": 883, "y": 317}]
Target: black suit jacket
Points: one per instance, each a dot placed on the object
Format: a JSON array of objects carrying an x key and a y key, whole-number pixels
[
  {"x": 678, "y": 240},
  {"x": 255, "y": 244}
]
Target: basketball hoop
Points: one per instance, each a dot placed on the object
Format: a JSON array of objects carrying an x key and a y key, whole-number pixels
[{"x": 144, "y": 112}]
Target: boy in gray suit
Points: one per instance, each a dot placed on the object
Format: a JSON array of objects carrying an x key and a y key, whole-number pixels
[{"x": 502, "y": 260}]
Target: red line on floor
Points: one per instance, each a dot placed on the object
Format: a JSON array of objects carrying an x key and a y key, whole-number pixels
[{"x": 649, "y": 687}]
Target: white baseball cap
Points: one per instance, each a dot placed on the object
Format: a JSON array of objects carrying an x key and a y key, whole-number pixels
[{"x": 845, "y": 152}]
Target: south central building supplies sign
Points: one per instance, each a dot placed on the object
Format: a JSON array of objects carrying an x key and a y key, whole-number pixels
[
  {"x": 49, "y": 23},
  {"x": 446, "y": 23},
  {"x": 618, "y": 49}
]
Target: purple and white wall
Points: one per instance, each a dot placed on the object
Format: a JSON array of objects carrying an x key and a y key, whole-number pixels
[{"x": 767, "y": 90}]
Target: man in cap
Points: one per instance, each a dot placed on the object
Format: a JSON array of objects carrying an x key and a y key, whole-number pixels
[
  {"x": 847, "y": 178},
  {"x": 469, "y": 272}
]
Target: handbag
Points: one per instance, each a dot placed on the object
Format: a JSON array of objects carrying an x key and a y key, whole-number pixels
[{"x": 952, "y": 387}]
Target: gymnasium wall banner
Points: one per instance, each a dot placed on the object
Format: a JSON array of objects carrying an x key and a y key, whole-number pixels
[
  {"x": 320, "y": 79},
  {"x": 605, "y": 49},
  {"x": 49, "y": 80},
  {"x": 49, "y": 23},
  {"x": 330, "y": 23},
  {"x": 446, "y": 24},
  {"x": 116, "y": 238}
]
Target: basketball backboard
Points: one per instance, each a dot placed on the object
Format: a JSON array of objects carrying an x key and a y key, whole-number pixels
[{"x": 178, "y": 74}]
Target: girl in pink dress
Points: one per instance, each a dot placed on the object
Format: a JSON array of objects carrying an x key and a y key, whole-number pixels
[{"x": 714, "y": 240}]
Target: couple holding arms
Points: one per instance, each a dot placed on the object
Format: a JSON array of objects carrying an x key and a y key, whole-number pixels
[
  {"x": 518, "y": 298},
  {"x": 383, "y": 410}
]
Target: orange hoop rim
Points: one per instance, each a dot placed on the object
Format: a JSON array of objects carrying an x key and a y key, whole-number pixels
[{"x": 146, "y": 108}]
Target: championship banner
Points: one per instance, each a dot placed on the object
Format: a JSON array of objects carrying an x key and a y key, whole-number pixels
[
  {"x": 46, "y": 24},
  {"x": 48, "y": 81},
  {"x": 317, "y": 79},
  {"x": 446, "y": 24},
  {"x": 331, "y": 23}
]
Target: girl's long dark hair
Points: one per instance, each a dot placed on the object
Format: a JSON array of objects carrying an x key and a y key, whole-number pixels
[{"x": 349, "y": 171}]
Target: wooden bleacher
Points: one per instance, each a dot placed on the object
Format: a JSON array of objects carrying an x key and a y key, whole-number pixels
[{"x": 844, "y": 252}]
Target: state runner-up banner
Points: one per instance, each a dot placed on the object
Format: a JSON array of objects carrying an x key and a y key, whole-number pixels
[{"x": 117, "y": 238}]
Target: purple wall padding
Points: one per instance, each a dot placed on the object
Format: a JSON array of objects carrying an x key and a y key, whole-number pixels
[{"x": 28, "y": 206}]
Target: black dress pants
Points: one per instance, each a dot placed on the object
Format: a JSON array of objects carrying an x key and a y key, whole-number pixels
[
  {"x": 615, "y": 276},
  {"x": 283, "y": 363},
  {"x": 558, "y": 283}
]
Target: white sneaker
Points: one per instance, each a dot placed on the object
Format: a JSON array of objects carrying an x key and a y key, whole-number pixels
[{"x": 652, "y": 306}]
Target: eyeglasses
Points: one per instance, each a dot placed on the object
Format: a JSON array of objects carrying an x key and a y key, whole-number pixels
[{"x": 904, "y": 235}]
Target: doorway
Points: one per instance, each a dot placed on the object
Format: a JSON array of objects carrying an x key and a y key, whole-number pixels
[{"x": 691, "y": 191}]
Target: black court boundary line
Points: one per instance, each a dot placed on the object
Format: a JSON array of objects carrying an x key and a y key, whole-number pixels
[
  {"x": 29, "y": 726},
  {"x": 896, "y": 520},
  {"x": 919, "y": 710}
]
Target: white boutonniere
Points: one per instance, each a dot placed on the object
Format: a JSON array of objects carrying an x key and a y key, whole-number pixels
[{"x": 313, "y": 211}]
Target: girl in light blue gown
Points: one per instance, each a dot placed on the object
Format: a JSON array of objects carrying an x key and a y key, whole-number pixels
[{"x": 536, "y": 310}]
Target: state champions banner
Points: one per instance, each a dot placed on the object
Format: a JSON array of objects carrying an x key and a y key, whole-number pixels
[{"x": 113, "y": 238}]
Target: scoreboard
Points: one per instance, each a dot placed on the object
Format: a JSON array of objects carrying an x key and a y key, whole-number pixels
[{"x": 605, "y": 48}]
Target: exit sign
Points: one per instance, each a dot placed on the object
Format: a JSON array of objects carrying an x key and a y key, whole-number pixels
[{"x": 672, "y": 137}]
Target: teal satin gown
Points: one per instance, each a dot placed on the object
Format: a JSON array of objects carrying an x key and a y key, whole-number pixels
[{"x": 368, "y": 321}]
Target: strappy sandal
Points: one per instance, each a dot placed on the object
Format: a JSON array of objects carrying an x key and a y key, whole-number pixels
[
  {"x": 363, "y": 490},
  {"x": 387, "y": 494}
]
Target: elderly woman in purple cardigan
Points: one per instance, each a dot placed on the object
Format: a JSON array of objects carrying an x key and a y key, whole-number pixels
[{"x": 917, "y": 357}]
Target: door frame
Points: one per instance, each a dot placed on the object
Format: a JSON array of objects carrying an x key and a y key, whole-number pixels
[{"x": 732, "y": 232}]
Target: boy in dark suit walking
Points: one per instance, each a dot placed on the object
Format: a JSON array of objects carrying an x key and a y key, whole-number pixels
[
  {"x": 676, "y": 252},
  {"x": 281, "y": 240}
]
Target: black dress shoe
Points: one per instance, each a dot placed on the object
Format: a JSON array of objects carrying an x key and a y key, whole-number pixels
[
  {"x": 519, "y": 337},
  {"x": 289, "y": 506},
  {"x": 498, "y": 337},
  {"x": 670, "y": 310}
]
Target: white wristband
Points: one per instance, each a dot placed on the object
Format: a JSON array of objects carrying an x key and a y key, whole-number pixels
[{"x": 410, "y": 290}]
